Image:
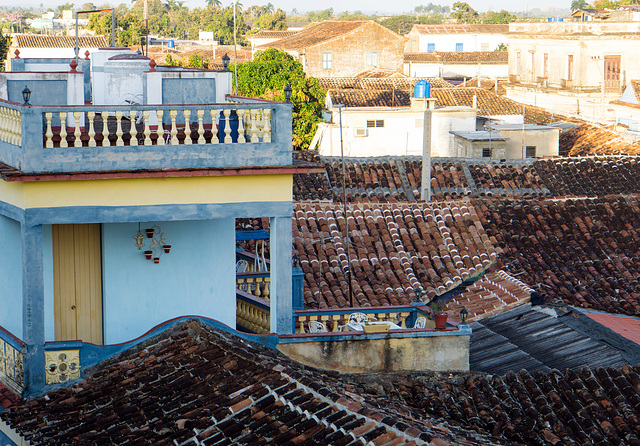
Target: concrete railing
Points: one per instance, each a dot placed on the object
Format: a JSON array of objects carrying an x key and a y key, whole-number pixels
[
  {"x": 98, "y": 138},
  {"x": 12, "y": 352},
  {"x": 252, "y": 313},
  {"x": 404, "y": 316},
  {"x": 257, "y": 284}
]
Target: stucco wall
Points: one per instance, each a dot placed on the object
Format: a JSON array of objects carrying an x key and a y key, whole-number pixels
[
  {"x": 401, "y": 135},
  {"x": 545, "y": 141},
  {"x": 588, "y": 58},
  {"x": 439, "y": 353},
  {"x": 11, "y": 276},
  {"x": 196, "y": 278},
  {"x": 349, "y": 51},
  {"x": 416, "y": 69},
  {"x": 447, "y": 42}
]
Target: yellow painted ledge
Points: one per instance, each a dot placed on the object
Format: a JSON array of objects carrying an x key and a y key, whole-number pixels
[{"x": 148, "y": 191}]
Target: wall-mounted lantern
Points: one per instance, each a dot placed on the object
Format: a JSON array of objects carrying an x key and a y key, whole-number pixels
[
  {"x": 225, "y": 61},
  {"x": 26, "y": 95}
]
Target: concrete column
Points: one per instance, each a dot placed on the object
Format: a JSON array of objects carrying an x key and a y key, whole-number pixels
[
  {"x": 281, "y": 275},
  {"x": 33, "y": 307},
  {"x": 298, "y": 288}
]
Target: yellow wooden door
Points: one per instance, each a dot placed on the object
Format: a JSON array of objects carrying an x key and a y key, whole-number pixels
[{"x": 77, "y": 282}]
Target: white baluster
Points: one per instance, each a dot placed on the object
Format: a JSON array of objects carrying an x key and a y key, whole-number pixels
[
  {"x": 119, "y": 141},
  {"x": 214, "y": 126},
  {"x": 3, "y": 124},
  {"x": 77, "y": 133},
  {"x": 241, "y": 138},
  {"x": 147, "y": 129},
  {"x": 174, "y": 128},
  {"x": 187, "y": 126},
  {"x": 133, "y": 141},
  {"x": 253, "y": 116},
  {"x": 105, "y": 129},
  {"x": 201, "y": 139},
  {"x": 92, "y": 132},
  {"x": 227, "y": 126},
  {"x": 63, "y": 129},
  {"x": 266, "y": 137},
  {"x": 49, "y": 133},
  {"x": 15, "y": 126},
  {"x": 160, "y": 141}
]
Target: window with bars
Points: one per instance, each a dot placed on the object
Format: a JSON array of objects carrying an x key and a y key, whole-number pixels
[
  {"x": 373, "y": 123},
  {"x": 531, "y": 152},
  {"x": 486, "y": 152}
]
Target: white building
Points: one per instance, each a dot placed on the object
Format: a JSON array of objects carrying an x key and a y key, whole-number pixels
[
  {"x": 572, "y": 68},
  {"x": 456, "y": 37},
  {"x": 485, "y": 64}
]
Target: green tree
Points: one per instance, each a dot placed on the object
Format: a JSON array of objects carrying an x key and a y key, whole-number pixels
[
  {"x": 462, "y": 12},
  {"x": 319, "y": 16},
  {"x": 267, "y": 75},
  {"x": 275, "y": 21},
  {"x": 578, "y": 4},
  {"x": 5, "y": 41},
  {"x": 498, "y": 17}
]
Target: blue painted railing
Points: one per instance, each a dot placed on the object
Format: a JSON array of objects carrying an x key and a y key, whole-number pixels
[{"x": 32, "y": 138}]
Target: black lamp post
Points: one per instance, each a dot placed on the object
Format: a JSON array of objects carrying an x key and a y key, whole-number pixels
[
  {"x": 26, "y": 95},
  {"x": 225, "y": 61},
  {"x": 463, "y": 315},
  {"x": 418, "y": 292},
  {"x": 287, "y": 94}
]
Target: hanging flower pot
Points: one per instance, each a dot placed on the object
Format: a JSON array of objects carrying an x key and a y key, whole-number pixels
[
  {"x": 441, "y": 321},
  {"x": 156, "y": 260},
  {"x": 149, "y": 232},
  {"x": 166, "y": 248},
  {"x": 148, "y": 254}
]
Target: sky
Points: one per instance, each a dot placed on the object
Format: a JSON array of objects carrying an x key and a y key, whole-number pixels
[{"x": 380, "y": 7}]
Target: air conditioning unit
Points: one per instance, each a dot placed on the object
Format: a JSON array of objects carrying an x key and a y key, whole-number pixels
[{"x": 360, "y": 131}]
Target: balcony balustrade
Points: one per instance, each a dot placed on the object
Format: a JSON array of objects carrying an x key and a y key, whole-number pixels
[{"x": 102, "y": 138}]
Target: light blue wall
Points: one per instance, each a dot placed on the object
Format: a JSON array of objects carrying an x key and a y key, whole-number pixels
[
  {"x": 11, "y": 276},
  {"x": 47, "y": 266},
  {"x": 196, "y": 278},
  {"x": 44, "y": 92}
]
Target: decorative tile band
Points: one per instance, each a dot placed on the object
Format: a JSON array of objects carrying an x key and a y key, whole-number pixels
[
  {"x": 62, "y": 365},
  {"x": 11, "y": 367}
]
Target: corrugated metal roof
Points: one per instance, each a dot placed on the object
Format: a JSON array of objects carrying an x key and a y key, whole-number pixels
[{"x": 524, "y": 338}]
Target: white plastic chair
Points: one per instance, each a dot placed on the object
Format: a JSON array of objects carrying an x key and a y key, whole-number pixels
[
  {"x": 421, "y": 322},
  {"x": 355, "y": 321},
  {"x": 317, "y": 327},
  {"x": 241, "y": 266}
]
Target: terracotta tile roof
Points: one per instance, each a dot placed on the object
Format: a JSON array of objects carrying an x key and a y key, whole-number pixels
[
  {"x": 196, "y": 385},
  {"x": 623, "y": 325},
  {"x": 460, "y": 57},
  {"x": 489, "y": 103},
  {"x": 587, "y": 139},
  {"x": 316, "y": 33},
  {"x": 8, "y": 399},
  {"x": 370, "y": 98},
  {"x": 380, "y": 73},
  {"x": 272, "y": 34},
  {"x": 487, "y": 84},
  {"x": 494, "y": 293},
  {"x": 395, "y": 248},
  {"x": 596, "y": 406},
  {"x": 43, "y": 41},
  {"x": 461, "y": 29},
  {"x": 582, "y": 251},
  {"x": 405, "y": 84}
]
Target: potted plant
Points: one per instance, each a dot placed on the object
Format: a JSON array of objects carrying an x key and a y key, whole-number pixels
[{"x": 437, "y": 309}]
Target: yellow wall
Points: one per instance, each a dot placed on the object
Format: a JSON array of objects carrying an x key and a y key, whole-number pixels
[{"x": 148, "y": 191}]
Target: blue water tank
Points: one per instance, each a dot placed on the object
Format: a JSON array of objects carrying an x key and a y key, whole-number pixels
[
  {"x": 419, "y": 89},
  {"x": 427, "y": 90},
  {"x": 171, "y": 44}
]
